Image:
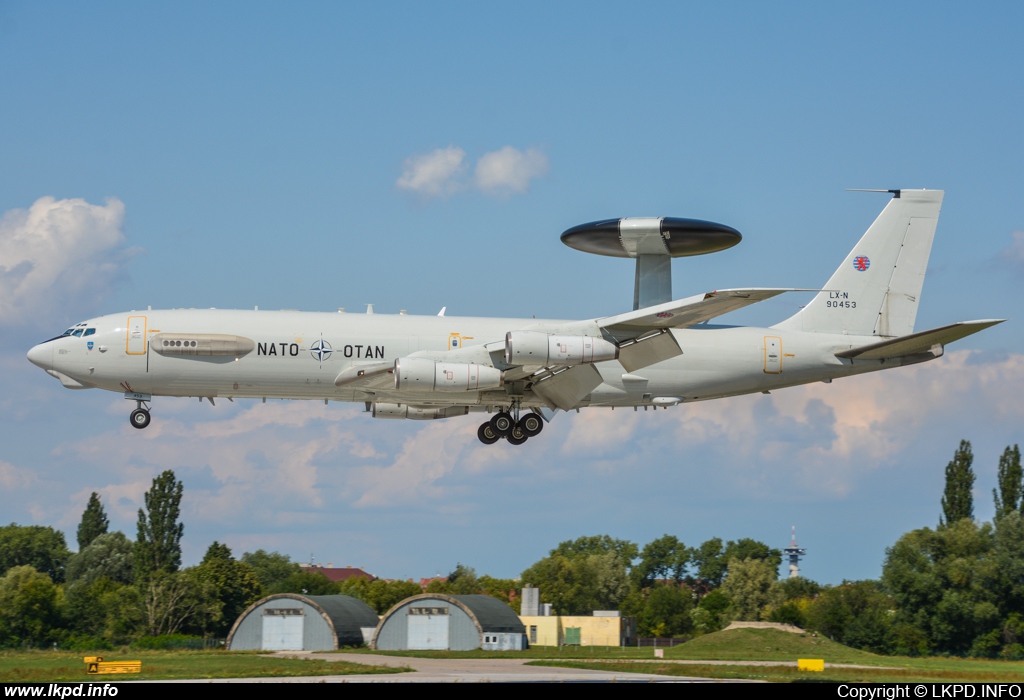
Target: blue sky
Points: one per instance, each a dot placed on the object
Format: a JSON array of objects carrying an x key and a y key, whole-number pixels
[{"x": 417, "y": 156}]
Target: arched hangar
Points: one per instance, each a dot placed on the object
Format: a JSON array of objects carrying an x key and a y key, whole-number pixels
[
  {"x": 454, "y": 622},
  {"x": 293, "y": 622}
]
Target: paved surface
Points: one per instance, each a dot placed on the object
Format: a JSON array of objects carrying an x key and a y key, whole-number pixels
[{"x": 468, "y": 671}]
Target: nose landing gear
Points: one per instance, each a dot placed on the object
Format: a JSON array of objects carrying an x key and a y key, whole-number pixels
[{"x": 513, "y": 428}]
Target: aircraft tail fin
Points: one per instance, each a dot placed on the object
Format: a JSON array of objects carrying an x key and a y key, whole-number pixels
[{"x": 877, "y": 288}]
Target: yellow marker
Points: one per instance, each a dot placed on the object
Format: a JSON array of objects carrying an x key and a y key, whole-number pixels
[
  {"x": 810, "y": 664},
  {"x": 95, "y": 665}
]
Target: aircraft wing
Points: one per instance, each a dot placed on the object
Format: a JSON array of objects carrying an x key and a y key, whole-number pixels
[
  {"x": 689, "y": 311},
  {"x": 917, "y": 342}
]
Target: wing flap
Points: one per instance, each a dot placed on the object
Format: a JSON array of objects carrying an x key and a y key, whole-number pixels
[
  {"x": 690, "y": 311},
  {"x": 649, "y": 351},
  {"x": 917, "y": 342},
  {"x": 565, "y": 389}
]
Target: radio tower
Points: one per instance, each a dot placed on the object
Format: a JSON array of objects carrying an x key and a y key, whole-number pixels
[{"x": 794, "y": 553}]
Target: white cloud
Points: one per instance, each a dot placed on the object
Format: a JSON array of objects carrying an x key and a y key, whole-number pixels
[
  {"x": 12, "y": 478},
  {"x": 58, "y": 254},
  {"x": 1015, "y": 251},
  {"x": 509, "y": 170},
  {"x": 442, "y": 172},
  {"x": 434, "y": 174}
]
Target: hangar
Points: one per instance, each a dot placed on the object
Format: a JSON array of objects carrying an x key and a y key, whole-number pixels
[
  {"x": 452, "y": 622},
  {"x": 293, "y": 622}
]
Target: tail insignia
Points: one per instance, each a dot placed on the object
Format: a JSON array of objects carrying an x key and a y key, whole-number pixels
[{"x": 861, "y": 263}]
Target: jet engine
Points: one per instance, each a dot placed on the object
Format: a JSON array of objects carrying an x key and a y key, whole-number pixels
[
  {"x": 423, "y": 375},
  {"x": 401, "y": 410},
  {"x": 534, "y": 348}
]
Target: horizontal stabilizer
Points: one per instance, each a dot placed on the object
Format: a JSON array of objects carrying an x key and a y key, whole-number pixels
[
  {"x": 690, "y": 311},
  {"x": 917, "y": 342}
]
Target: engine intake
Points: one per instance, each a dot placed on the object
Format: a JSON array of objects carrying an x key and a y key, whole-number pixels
[
  {"x": 419, "y": 374},
  {"x": 534, "y": 348}
]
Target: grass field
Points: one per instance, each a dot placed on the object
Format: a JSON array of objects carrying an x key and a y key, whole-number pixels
[
  {"x": 45, "y": 666},
  {"x": 774, "y": 645}
]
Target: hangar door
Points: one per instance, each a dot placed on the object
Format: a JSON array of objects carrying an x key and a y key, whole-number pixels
[
  {"x": 428, "y": 628},
  {"x": 282, "y": 629}
]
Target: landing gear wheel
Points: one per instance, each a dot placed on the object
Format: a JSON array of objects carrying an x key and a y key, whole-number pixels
[
  {"x": 531, "y": 424},
  {"x": 517, "y": 436},
  {"x": 486, "y": 434},
  {"x": 502, "y": 424},
  {"x": 140, "y": 418}
]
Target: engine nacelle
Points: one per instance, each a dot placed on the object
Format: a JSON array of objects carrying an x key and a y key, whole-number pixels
[
  {"x": 534, "y": 348},
  {"x": 402, "y": 411},
  {"x": 419, "y": 374}
]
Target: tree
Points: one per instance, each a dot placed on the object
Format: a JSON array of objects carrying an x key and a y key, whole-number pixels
[
  {"x": 234, "y": 585},
  {"x": 271, "y": 568},
  {"x": 94, "y": 522},
  {"x": 306, "y": 583},
  {"x": 597, "y": 544},
  {"x": 30, "y": 608},
  {"x": 957, "y": 501},
  {"x": 581, "y": 584},
  {"x": 158, "y": 545},
  {"x": 664, "y": 558},
  {"x": 1008, "y": 497},
  {"x": 379, "y": 594},
  {"x": 666, "y": 612},
  {"x": 856, "y": 614},
  {"x": 42, "y": 548},
  {"x": 748, "y": 584},
  {"x": 111, "y": 555}
]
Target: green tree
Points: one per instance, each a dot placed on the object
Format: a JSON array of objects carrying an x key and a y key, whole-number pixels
[
  {"x": 710, "y": 614},
  {"x": 158, "y": 544},
  {"x": 712, "y": 558},
  {"x": 664, "y": 558},
  {"x": 173, "y": 602},
  {"x": 945, "y": 584},
  {"x": 110, "y": 555},
  {"x": 597, "y": 544},
  {"x": 30, "y": 608},
  {"x": 581, "y": 584},
  {"x": 957, "y": 500},
  {"x": 1011, "y": 489},
  {"x": 666, "y": 612},
  {"x": 379, "y": 594},
  {"x": 856, "y": 613},
  {"x": 94, "y": 522},
  {"x": 271, "y": 568},
  {"x": 748, "y": 583},
  {"x": 234, "y": 586},
  {"x": 42, "y": 548},
  {"x": 306, "y": 583}
]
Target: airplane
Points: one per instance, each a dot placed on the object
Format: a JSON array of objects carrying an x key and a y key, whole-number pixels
[{"x": 663, "y": 353}]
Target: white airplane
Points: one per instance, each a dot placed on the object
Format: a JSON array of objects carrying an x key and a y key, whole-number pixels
[{"x": 521, "y": 371}]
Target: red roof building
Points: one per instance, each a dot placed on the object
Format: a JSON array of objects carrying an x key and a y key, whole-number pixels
[{"x": 339, "y": 575}]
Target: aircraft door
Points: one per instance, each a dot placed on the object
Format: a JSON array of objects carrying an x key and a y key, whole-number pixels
[
  {"x": 772, "y": 355},
  {"x": 135, "y": 341}
]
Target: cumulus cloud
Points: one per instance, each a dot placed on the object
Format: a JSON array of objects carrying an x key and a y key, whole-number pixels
[
  {"x": 58, "y": 254},
  {"x": 434, "y": 174},
  {"x": 509, "y": 170},
  {"x": 443, "y": 172}
]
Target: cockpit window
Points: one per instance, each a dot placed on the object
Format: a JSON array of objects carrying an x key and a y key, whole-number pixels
[
  {"x": 69, "y": 331},
  {"x": 89, "y": 331},
  {"x": 78, "y": 333}
]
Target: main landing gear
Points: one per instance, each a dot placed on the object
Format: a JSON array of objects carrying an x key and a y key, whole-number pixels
[
  {"x": 140, "y": 417},
  {"x": 504, "y": 425}
]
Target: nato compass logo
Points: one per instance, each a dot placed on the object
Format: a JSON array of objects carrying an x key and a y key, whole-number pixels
[
  {"x": 321, "y": 350},
  {"x": 861, "y": 263},
  {"x": 89, "y": 345}
]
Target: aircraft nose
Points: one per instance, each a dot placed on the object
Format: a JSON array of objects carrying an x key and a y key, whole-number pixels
[{"x": 42, "y": 355}]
